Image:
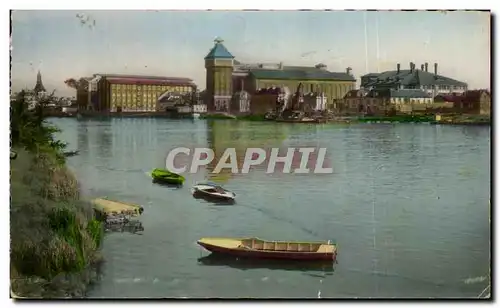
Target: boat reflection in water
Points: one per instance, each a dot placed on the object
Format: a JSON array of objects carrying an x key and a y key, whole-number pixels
[
  {"x": 169, "y": 185},
  {"x": 132, "y": 226},
  {"x": 272, "y": 264}
]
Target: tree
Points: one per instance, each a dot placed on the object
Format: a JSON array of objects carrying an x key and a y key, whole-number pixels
[
  {"x": 29, "y": 128},
  {"x": 80, "y": 84}
]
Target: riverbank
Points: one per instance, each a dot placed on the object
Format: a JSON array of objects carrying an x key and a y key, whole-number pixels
[
  {"x": 397, "y": 118},
  {"x": 227, "y": 117},
  {"x": 433, "y": 119},
  {"x": 474, "y": 120},
  {"x": 55, "y": 237}
]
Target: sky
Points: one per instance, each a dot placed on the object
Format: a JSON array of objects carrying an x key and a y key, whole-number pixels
[{"x": 174, "y": 43}]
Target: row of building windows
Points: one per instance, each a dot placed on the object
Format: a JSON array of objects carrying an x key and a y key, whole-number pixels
[
  {"x": 433, "y": 87},
  {"x": 406, "y": 100},
  {"x": 154, "y": 88},
  {"x": 124, "y": 94},
  {"x": 133, "y": 107},
  {"x": 128, "y": 105},
  {"x": 134, "y": 100},
  {"x": 336, "y": 91}
]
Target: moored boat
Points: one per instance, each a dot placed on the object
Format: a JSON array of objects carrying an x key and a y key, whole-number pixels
[
  {"x": 212, "y": 191},
  {"x": 257, "y": 248},
  {"x": 163, "y": 176}
]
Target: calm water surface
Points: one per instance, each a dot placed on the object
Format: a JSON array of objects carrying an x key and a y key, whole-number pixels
[{"x": 407, "y": 205}]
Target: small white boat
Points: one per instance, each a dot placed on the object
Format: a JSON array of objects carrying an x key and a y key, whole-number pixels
[
  {"x": 212, "y": 191},
  {"x": 196, "y": 115}
]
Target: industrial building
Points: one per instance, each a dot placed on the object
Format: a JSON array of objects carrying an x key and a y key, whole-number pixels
[
  {"x": 230, "y": 84},
  {"x": 413, "y": 78},
  {"x": 130, "y": 93}
]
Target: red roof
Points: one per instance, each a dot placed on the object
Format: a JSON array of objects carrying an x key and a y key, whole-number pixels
[{"x": 155, "y": 81}]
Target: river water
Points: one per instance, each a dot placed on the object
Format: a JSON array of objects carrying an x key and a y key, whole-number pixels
[{"x": 407, "y": 205}]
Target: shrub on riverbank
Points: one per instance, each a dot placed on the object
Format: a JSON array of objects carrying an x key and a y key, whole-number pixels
[{"x": 54, "y": 236}]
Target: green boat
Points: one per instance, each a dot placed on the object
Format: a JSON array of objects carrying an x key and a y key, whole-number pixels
[{"x": 163, "y": 176}]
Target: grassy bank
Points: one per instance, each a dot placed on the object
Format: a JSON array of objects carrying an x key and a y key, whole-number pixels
[
  {"x": 464, "y": 119},
  {"x": 54, "y": 236},
  {"x": 398, "y": 118}
]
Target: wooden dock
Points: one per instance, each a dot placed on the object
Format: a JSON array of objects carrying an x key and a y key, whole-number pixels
[{"x": 110, "y": 207}]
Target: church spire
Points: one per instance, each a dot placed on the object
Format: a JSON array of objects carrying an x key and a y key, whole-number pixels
[{"x": 39, "y": 84}]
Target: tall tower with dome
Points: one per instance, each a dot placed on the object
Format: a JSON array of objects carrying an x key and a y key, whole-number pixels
[{"x": 219, "y": 64}]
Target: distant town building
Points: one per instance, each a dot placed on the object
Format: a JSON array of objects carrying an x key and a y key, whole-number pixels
[
  {"x": 39, "y": 89},
  {"x": 413, "y": 78},
  {"x": 384, "y": 101},
  {"x": 315, "y": 101},
  {"x": 169, "y": 100},
  {"x": 33, "y": 97},
  {"x": 227, "y": 76},
  {"x": 406, "y": 100},
  {"x": 132, "y": 93},
  {"x": 241, "y": 101},
  {"x": 470, "y": 102},
  {"x": 200, "y": 108}
]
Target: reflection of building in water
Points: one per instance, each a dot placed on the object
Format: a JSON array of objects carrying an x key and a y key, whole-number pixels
[
  {"x": 83, "y": 136},
  {"x": 241, "y": 136},
  {"x": 104, "y": 140},
  {"x": 134, "y": 136}
]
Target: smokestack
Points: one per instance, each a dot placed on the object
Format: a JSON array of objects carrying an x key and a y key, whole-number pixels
[
  {"x": 412, "y": 66},
  {"x": 435, "y": 69},
  {"x": 422, "y": 67},
  {"x": 398, "y": 67},
  {"x": 426, "y": 66},
  {"x": 348, "y": 70}
]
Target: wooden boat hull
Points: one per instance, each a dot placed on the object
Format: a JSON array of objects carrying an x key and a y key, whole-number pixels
[
  {"x": 204, "y": 195},
  {"x": 267, "y": 254}
]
